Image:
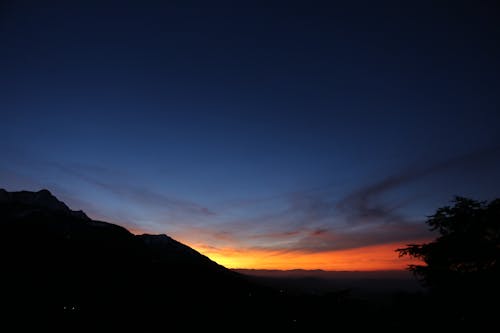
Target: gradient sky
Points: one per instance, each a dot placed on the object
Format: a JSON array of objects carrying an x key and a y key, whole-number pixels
[{"x": 265, "y": 135}]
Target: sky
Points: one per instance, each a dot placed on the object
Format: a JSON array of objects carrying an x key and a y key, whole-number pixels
[{"x": 278, "y": 135}]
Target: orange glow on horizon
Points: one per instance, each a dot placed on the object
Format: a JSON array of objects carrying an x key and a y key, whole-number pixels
[{"x": 369, "y": 258}]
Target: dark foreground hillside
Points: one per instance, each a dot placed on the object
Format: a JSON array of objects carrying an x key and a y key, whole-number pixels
[{"x": 63, "y": 270}]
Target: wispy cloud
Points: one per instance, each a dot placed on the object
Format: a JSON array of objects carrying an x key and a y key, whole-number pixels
[
  {"x": 137, "y": 194},
  {"x": 344, "y": 238},
  {"x": 319, "y": 220},
  {"x": 364, "y": 206}
]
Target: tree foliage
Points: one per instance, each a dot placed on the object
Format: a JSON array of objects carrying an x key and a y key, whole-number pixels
[{"x": 465, "y": 259}]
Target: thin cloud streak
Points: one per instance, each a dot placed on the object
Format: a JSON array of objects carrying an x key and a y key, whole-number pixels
[
  {"x": 316, "y": 221},
  {"x": 363, "y": 205},
  {"x": 140, "y": 195}
]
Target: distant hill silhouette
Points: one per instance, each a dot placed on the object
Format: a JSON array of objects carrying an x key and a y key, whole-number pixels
[{"x": 319, "y": 273}]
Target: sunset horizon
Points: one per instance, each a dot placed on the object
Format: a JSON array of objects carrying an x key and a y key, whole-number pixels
[{"x": 239, "y": 165}]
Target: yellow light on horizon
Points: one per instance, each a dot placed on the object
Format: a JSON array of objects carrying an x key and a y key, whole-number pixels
[{"x": 369, "y": 258}]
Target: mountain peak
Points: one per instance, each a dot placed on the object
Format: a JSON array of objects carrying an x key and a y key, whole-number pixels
[
  {"x": 44, "y": 192},
  {"x": 42, "y": 199}
]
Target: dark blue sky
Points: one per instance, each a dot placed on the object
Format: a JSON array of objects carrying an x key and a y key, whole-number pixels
[{"x": 202, "y": 119}]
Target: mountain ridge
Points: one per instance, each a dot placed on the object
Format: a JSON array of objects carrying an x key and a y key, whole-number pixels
[
  {"x": 43, "y": 199},
  {"x": 56, "y": 260}
]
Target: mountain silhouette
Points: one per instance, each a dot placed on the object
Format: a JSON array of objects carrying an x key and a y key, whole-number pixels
[
  {"x": 61, "y": 263},
  {"x": 37, "y": 201}
]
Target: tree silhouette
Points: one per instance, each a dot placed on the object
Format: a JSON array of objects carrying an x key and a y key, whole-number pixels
[{"x": 462, "y": 266}]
